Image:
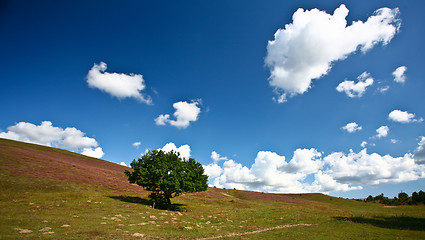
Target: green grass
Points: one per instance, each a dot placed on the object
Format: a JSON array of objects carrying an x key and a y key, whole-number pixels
[
  {"x": 97, "y": 212},
  {"x": 101, "y": 212}
]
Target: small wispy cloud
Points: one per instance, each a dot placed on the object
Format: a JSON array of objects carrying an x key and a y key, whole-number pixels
[
  {"x": 119, "y": 85},
  {"x": 216, "y": 157},
  {"x": 383, "y": 89},
  {"x": 353, "y": 89},
  {"x": 399, "y": 74},
  {"x": 185, "y": 114},
  {"x": 352, "y": 127},
  {"x": 403, "y": 117},
  {"x": 136, "y": 144},
  {"x": 382, "y": 132},
  {"x": 123, "y": 164}
]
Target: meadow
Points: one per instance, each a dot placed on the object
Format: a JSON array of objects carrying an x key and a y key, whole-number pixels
[{"x": 48, "y": 193}]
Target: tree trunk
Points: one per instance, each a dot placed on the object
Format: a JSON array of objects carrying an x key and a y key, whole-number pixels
[{"x": 168, "y": 203}]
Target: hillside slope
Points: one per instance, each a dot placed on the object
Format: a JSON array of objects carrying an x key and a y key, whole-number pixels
[
  {"x": 43, "y": 162},
  {"x": 48, "y": 193}
]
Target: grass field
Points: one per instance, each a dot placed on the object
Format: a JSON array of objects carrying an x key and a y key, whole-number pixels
[{"x": 48, "y": 193}]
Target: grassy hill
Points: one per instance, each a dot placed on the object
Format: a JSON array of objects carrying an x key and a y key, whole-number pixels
[{"x": 48, "y": 193}]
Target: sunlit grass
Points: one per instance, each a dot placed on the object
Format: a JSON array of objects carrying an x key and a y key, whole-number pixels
[
  {"x": 93, "y": 211},
  {"x": 32, "y": 208}
]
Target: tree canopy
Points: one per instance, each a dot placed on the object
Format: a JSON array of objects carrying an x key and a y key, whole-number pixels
[
  {"x": 167, "y": 175},
  {"x": 403, "y": 198}
]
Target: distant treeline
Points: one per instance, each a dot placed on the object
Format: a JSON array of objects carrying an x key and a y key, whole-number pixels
[{"x": 402, "y": 199}]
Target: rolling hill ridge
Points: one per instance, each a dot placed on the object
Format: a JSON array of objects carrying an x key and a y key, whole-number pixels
[
  {"x": 49, "y": 193},
  {"x": 43, "y": 162}
]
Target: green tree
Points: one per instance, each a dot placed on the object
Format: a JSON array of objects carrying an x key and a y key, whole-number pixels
[
  {"x": 421, "y": 196},
  {"x": 403, "y": 197},
  {"x": 369, "y": 199},
  {"x": 415, "y": 198},
  {"x": 167, "y": 175},
  {"x": 380, "y": 197}
]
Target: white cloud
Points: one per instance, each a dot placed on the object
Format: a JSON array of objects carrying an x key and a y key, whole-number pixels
[
  {"x": 73, "y": 138},
  {"x": 212, "y": 170},
  {"x": 363, "y": 144},
  {"x": 96, "y": 153},
  {"x": 308, "y": 172},
  {"x": 399, "y": 75},
  {"x": 216, "y": 157},
  {"x": 183, "y": 150},
  {"x": 382, "y": 131},
  {"x": 146, "y": 151},
  {"x": 234, "y": 175},
  {"x": 383, "y": 89},
  {"x": 306, "y": 161},
  {"x": 356, "y": 89},
  {"x": 351, "y": 127},
  {"x": 184, "y": 114},
  {"x": 136, "y": 144},
  {"x": 420, "y": 151},
  {"x": 306, "y": 48},
  {"x": 270, "y": 172},
  {"x": 326, "y": 183},
  {"x": 123, "y": 164},
  {"x": 46, "y": 134},
  {"x": 266, "y": 170},
  {"x": 119, "y": 85},
  {"x": 372, "y": 169},
  {"x": 403, "y": 117},
  {"x": 162, "y": 119},
  {"x": 394, "y": 141}
]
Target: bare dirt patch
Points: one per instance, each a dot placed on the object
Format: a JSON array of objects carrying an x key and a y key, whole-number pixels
[
  {"x": 139, "y": 235},
  {"x": 45, "y": 229},
  {"x": 257, "y": 231},
  {"x": 22, "y": 230}
]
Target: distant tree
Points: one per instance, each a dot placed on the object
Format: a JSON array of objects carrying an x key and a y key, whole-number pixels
[
  {"x": 415, "y": 198},
  {"x": 421, "y": 196},
  {"x": 380, "y": 197},
  {"x": 167, "y": 175},
  {"x": 403, "y": 197},
  {"x": 369, "y": 199},
  {"x": 387, "y": 201},
  {"x": 418, "y": 197}
]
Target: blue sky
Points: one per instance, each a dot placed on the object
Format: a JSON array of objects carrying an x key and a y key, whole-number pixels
[{"x": 226, "y": 89}]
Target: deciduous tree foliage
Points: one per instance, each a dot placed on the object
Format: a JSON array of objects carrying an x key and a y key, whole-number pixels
[
  {"x": 403, "y": 198},
  {"x": 167, "y": 175}
]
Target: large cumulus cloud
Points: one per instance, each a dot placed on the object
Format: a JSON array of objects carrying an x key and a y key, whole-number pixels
[
  {"x": 309, "y": 171},
  {"x": 306, "y": 48}
]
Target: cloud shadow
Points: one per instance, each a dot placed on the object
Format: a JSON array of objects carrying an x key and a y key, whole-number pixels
[
  {"x": 147, "y": 202},
  {"x": 401, "y": 223}
]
